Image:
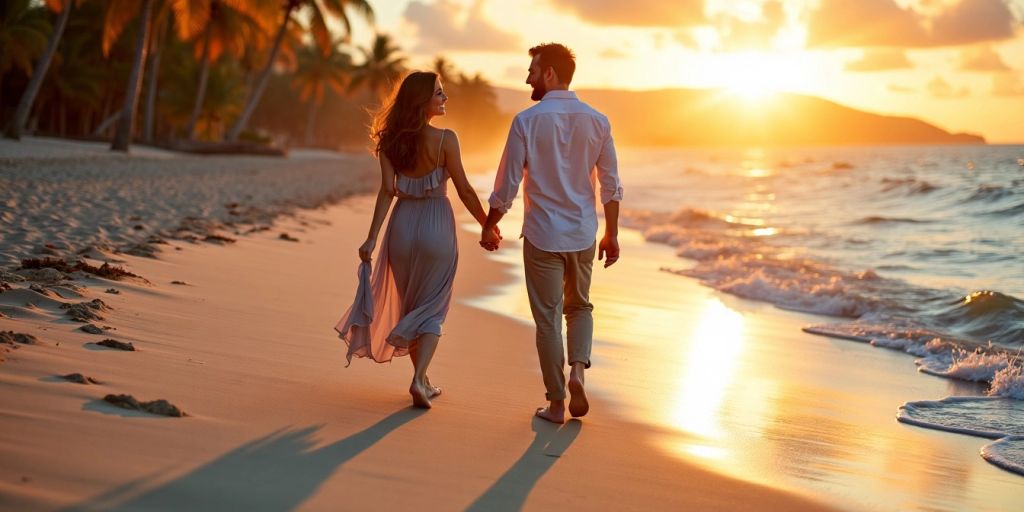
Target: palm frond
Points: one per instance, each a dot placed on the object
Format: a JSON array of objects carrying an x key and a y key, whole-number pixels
[{"x": 118, "y": 14}]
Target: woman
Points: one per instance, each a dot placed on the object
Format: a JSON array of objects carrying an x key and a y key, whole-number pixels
[{"x": 401, "y": 309}]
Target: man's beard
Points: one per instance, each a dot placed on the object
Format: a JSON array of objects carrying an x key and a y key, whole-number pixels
[{"x": 538, "y": 92}]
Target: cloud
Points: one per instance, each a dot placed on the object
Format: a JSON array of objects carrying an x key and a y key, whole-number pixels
[
  {"x": 636, "y": 13},
  {"x": 838, "y": 23},
  {"x": 879, "y": 60},
  {"x": 845, "y": 23},
  {"x": 612, "y": 53},
  {"x": 685, "y": 38},
  {"x": 516, "y": 73},
  {"x": 972, "y": 21},
  {"x": 940, "y": 88},
  {"x": 900, "y": 89},
  {"x": 982, "y": 58},
  {"x": 737, "y": 34},
  {"x": 1006, "y": 84},
  {"x": 447, "y": 26}
]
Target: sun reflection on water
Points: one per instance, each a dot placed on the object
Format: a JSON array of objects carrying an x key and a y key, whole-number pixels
[{"x": 710, "y": 368}]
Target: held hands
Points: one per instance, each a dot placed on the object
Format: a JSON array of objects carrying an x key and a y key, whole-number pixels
[
  {"x": 490, "y": 239},
  {"x": 608, "y": 250},
  {"x": 366, "y": 250}
]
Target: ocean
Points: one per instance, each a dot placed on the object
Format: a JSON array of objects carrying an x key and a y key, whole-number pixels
[
  {"x": 913, "y": 248},
  {"x": 894, "y": 242}
]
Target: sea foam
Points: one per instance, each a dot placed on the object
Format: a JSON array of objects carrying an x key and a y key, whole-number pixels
[
  {"x": 1007, "y": 453},
  {"x": 980, "y": 416},
  {"x": 989, "y": 417}
]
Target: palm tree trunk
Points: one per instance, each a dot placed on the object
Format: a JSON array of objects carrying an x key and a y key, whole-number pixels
[
  {"x": 63, "y": 117},
  {"x": 123, "y": 135},
  {"x": 261, "y": 82},
  {"x": 149, "y": 116},
  {"x": 311, "y": 122},
  {"x": 204, "y": 75},
  {"x": 106, "y": 124},
  {"x": 17, "y": 125}
]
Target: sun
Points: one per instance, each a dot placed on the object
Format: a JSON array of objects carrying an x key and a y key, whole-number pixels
[
  {"x": 751, "y": 91},
  {"x": 757, "y": 76}
]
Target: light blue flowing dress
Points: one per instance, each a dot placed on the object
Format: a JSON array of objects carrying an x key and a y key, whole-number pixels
[{"x": 410, "y": 288}]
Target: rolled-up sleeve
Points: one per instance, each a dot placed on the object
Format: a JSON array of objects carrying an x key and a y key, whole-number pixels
[
  {"x": 608, "y": 170},
  {"x": 510, "y": 170}
]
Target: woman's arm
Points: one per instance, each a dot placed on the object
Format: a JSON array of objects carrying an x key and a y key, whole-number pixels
[
  {"x": 380, "y": 209},
  {"x": 453, "y": 159}
]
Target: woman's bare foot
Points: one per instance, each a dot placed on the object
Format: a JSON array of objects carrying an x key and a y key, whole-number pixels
[
  {"x": 551, "y": 413},
  {"x": 420, "y": 396},
  {"x": 432, "y": 391}
]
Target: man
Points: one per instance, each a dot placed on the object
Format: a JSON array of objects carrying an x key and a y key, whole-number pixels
[{"x": 556, "y": 149}]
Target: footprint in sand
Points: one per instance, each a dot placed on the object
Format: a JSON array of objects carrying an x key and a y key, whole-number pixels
[
  {"x": 80, "y": 379},
  {"x": 10, "y": 340},
  {"x": 160, "y": 407},
  {"x": 86, "y": 311},
  {"x": 91, "y": 329},
  {"x": 114, "y": 344}
]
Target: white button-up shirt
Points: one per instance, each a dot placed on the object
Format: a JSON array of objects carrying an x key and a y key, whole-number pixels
[{"x": 558, "y": 148}]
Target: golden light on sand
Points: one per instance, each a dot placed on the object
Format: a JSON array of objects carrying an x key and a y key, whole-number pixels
[
  {"x": 711, "y": 366},
  {"x": 706, "y": 452}
]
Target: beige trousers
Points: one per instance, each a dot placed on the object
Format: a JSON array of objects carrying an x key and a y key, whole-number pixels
[{"x": 557, "y": 283}]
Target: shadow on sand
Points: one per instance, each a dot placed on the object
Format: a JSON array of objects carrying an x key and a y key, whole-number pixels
[
  {"x": 511, "y": 490},
  {"x": 277, "y": 472}
]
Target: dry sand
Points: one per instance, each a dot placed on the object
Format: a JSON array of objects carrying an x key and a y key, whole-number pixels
[
  {"x": 60, "y": 197},
  {"x": 274, "y": 421}
]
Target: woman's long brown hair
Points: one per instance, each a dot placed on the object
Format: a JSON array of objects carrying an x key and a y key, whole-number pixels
[{"x": 397, "y": 128}]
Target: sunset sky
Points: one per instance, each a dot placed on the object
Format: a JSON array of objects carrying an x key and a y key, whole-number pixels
[{"x": 956, "y": 63}]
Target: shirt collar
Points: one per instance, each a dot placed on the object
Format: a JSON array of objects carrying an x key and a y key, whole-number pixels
[{"x": 559, "y": 95}]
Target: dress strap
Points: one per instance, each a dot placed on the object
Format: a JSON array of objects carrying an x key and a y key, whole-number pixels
[{"x": 439, "y": 146}]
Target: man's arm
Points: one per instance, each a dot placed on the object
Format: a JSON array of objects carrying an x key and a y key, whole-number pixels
[
  {"x": 506, "y": 184},
  {"x": 611, "y": 194},
  {"x": 489, "y": 237},
  {"x": 609, "y": 247}
]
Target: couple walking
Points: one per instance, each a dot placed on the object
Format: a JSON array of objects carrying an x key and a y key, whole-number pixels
[{"x": 555, "y": 149}]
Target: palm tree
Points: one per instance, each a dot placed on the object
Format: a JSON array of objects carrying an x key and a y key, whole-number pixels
[
  {"x": 123, "y": 135},
  {"x": 75, "y": 82},
  {"x": 382, "y": 66},
  {"x": 445, "y": 70},
  {"x": 226, "y": 26},
  {"x": 155, "y": 55},
  {"x": 316, "y": 71},
  {"x": 318, "y": 26},
  {"x": 224, "y": 96},
  {"x": 23, "y": 32},
  {"x": 478, "y": 95}
]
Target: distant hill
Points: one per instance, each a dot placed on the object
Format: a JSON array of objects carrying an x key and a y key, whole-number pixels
[{"x": 704, "y": 117}]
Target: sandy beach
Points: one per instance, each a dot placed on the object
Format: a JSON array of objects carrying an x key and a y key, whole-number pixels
[{"x": 238, "y": 337}]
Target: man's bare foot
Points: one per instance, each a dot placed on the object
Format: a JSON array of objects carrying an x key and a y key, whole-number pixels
[
  {"x": 420, "y": 396},
  {"x": 578, "y": 404},
  {"x": 550, "y": 414}
]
